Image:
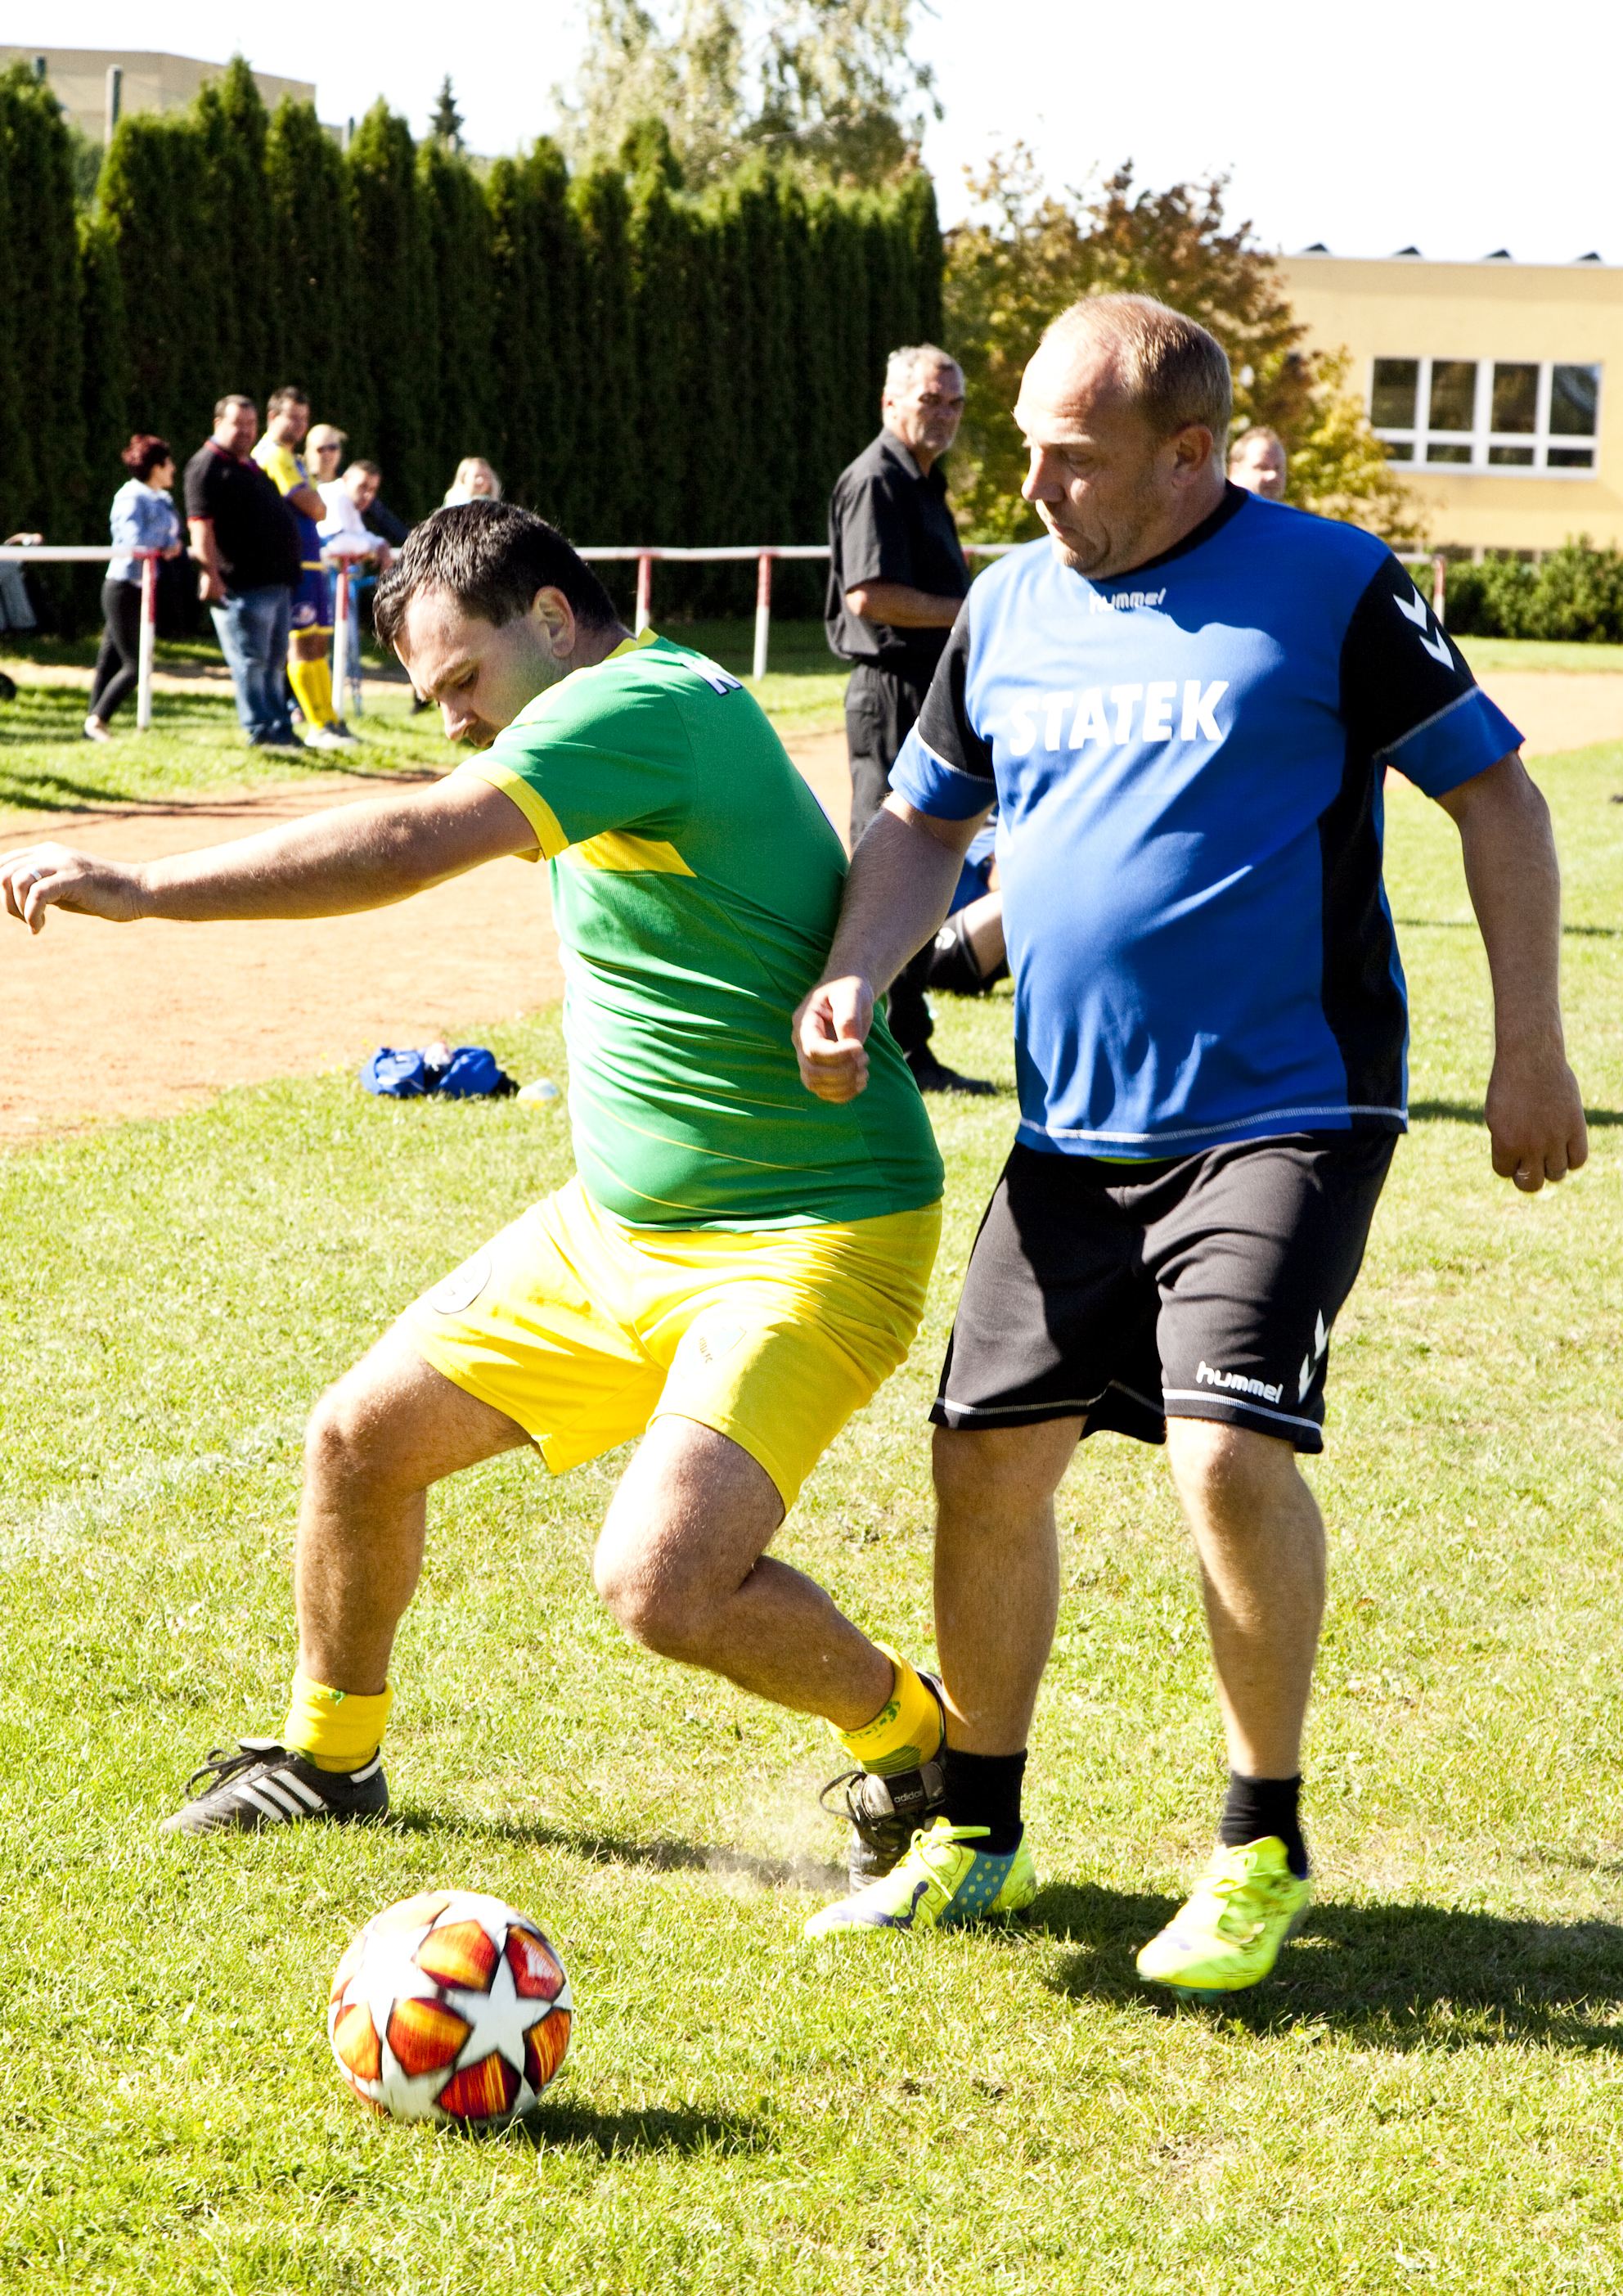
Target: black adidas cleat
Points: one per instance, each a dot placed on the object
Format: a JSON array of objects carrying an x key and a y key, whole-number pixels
[
  {"x": 886, "y": 1812},
  {"x": 262, "y": 1783}
]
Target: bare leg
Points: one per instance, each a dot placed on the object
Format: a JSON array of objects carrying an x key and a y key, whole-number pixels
[
  {"x": 389, "y": 1428},
  {"x": 1261, "y": 1540},
  {"x": 681, "y": 1564},
  {"x": 997, "y": 1575}
]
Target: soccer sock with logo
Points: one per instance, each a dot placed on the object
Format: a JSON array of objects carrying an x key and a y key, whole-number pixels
[
  {"x": 985, "y": 1790},
  {"x": 335, "y": 1729},
  {"x": 905, "y": 1733},
  {"x": 312, "y": 683},
  {"x": 1256, "y": 1808}
]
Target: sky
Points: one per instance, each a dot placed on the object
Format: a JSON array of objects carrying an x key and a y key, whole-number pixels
[{"x": 1457, "y": 129}]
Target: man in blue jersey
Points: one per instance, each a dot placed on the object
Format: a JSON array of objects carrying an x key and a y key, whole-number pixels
[{"x": 1182, "y": 704}]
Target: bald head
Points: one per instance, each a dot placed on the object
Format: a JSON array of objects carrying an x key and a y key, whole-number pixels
[{"x": 1125, "y": 408}]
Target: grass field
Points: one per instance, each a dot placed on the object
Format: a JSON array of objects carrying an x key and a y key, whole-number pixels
[{"x": 1431, "y": 2096}]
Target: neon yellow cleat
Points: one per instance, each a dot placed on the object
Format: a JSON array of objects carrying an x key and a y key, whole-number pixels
[
  {"x": 1229, "y": 1934},
  {"x": 942, "y": 1879}
]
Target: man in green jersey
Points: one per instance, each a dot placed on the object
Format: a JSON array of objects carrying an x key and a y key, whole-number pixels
[{"x": 736, "y": 1267}]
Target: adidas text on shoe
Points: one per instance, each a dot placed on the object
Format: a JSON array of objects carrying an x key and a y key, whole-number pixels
[
  {"x": 943, "y": 1879},
  {"x": 1229, "y": 1934},
  {"x": 263, "y": 1783}
]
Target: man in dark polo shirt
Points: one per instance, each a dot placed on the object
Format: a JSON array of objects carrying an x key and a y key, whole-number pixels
[
  {"x": 897, "y": 578},
  {"x": 246, "y": 544}
]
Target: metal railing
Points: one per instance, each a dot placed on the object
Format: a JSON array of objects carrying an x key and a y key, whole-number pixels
[{"x": 645, "y": 554}]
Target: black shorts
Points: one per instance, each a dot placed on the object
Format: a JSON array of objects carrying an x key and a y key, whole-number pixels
[{"x": 1203, "y": 1287}]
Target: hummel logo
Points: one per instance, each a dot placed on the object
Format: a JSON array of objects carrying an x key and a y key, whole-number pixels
[
  {"x": 1237, "y": 1383},
  {"x": 1419, "y": 614},
  {"x": 1310, "y": 1364},
  {"x": 1123, "y": 601}
]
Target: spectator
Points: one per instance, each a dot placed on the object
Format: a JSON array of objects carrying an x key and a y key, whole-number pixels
[
  {"x": 346, "y": 534},
  {"x": 244, "y": 541},
  {"x": 16, "y": 607},
  {"x": 310, "y": 666},
  {"x": 475, "y": 482},
  {"x": 897, "y": 578},
  {"x": 1256, "y": 461},
  {"x": 969, "y": 957},
  {"x": 142, "y": 517}
]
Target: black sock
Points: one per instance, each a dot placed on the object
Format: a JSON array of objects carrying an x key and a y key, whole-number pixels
[
  {"x": 1258, "y": 1806},
  {"x": 984, "y": 1790}
]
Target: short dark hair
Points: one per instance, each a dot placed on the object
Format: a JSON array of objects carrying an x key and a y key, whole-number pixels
[
  {"x": 145, "y": 452},
  {"x": 234, "y": 399},
  {"x": 290, "y": 395},
  {"x": 492, "y": 557}
]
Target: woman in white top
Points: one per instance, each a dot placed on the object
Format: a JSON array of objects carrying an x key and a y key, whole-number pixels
[
  {"x": 142, "y": 519},
  {"x": 475, "y": 482}
]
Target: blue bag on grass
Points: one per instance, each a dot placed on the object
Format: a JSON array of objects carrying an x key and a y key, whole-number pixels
[{"x": 470, "y": 1073}]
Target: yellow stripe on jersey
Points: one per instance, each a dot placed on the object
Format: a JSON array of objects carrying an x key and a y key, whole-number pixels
[
  {"x": 549, "y": 834},
  {"x": 618, "y": 849}
]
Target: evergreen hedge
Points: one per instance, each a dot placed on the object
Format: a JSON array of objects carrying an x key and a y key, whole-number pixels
[
  {"x": 639, "y": 364},
  {"x": 1575, "y": 592}
]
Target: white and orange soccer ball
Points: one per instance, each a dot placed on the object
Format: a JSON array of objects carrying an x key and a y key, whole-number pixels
[{"x": 449, "y": 2007}]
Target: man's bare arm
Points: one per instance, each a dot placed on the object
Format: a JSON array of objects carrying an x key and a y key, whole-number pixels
[
  {"x": 900, "y": 890},
  {"x": 1535, "y": 1112},
  {"x": 206, "y": 551},
  {"x": 903, "y": 606},
  {"x": 356, "y": 856}
]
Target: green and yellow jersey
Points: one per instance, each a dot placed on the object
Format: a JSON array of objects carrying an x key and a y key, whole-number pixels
[{"x": 696, "y": 883}]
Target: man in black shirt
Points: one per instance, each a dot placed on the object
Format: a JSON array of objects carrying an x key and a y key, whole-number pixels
[
  {"x": 245, "y": 539},
  {"x": 897, "y": 578}
]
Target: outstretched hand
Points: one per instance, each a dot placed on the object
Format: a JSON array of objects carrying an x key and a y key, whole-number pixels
[
  {"x": 54, "y": 876},
  {"x": 1536, "y": 1119},
  {"x": 830, "y": 1030}
]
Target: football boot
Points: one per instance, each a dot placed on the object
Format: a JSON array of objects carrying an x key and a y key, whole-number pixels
[
  {"x": 263, "y": 1783},
  {"x": 943, "y": 1879},
  {"x": 885, "y": 1812},
  {"x": 1229, "y": 1934}
]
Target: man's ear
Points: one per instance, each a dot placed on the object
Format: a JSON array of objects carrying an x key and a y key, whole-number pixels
[
  {"x": 1193, "y": 449},
  {"x": 555, "y": 619}
]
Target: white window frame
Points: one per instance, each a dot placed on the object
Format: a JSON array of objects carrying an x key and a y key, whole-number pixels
[{"x": 1482, "y": 437}]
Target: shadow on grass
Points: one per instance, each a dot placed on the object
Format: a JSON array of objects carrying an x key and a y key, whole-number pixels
[
  {"x": 656, "y": 2128},
  {"x": 662, "y": 1855},
  {"x": 1400, "y": 1977},
  {"x": 1469, "y": 1112},
  {"x": 1468, "y": 924}
]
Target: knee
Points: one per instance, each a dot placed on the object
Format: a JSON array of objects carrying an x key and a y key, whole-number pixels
[
  {"x": 989, "y": 1476},
  {"x": 653, "y": 1614},
  {"x": 341, "y": 1441},
  {"x": 1232, "y": 1477}
]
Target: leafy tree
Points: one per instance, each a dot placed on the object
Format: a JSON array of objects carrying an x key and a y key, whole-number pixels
[
  {"x": 446, "y": 122},
  {"x": 1026, "y": 253},
  {"x": 827, "y": 87}
]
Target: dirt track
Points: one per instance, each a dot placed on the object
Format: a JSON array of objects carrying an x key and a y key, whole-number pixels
[
  {"x": 143, "y": 1019},
  {"x": 100, "y": 1023}
]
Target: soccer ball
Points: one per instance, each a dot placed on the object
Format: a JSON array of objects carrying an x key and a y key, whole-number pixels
[{"x": 449, "y": 2007}]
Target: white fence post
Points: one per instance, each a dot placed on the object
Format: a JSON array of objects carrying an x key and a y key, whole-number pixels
[
  {"x": 644, "y": 592},
  {"x": 148, "y": 648},
  {"x": 340, "y": 634},
  {"x": 763, "y": 613},
  {"x": 1439, "y": 588}
]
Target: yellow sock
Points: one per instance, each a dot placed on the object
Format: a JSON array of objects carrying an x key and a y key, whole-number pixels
[
  {"x": 905, "y": 1732},
  {"x": 335, "y": 1729},
  {"x": 312, "y": 681}
]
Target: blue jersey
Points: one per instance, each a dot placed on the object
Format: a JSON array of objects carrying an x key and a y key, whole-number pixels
[{"x": 1187, "y": 763}]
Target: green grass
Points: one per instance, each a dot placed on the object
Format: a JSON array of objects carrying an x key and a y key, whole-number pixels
[
  {"x": 1429, "y": 2096},
  {"x": 1485, "y": 654},
  {"x": 196, "y": 748}
]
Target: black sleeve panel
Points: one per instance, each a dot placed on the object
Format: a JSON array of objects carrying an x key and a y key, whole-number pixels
[
  {"x": 944, "y": 722},
  {"x": 1399, "y": 667}
]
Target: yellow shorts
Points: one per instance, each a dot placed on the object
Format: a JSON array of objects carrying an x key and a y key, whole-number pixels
[{"x": 584, "y": 1330}]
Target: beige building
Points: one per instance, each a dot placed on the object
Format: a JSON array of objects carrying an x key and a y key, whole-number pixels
[
  {"x": 1498, "y": 385},
  {"x": 147, "y": 82}
]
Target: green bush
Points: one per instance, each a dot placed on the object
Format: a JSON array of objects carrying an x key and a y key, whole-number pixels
[{"x": 1574, "y": 593}]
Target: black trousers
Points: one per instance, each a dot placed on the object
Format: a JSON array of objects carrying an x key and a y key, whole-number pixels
[
  {"x": 118, "y": 662},
  {"x": 881, "y": 709}
]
